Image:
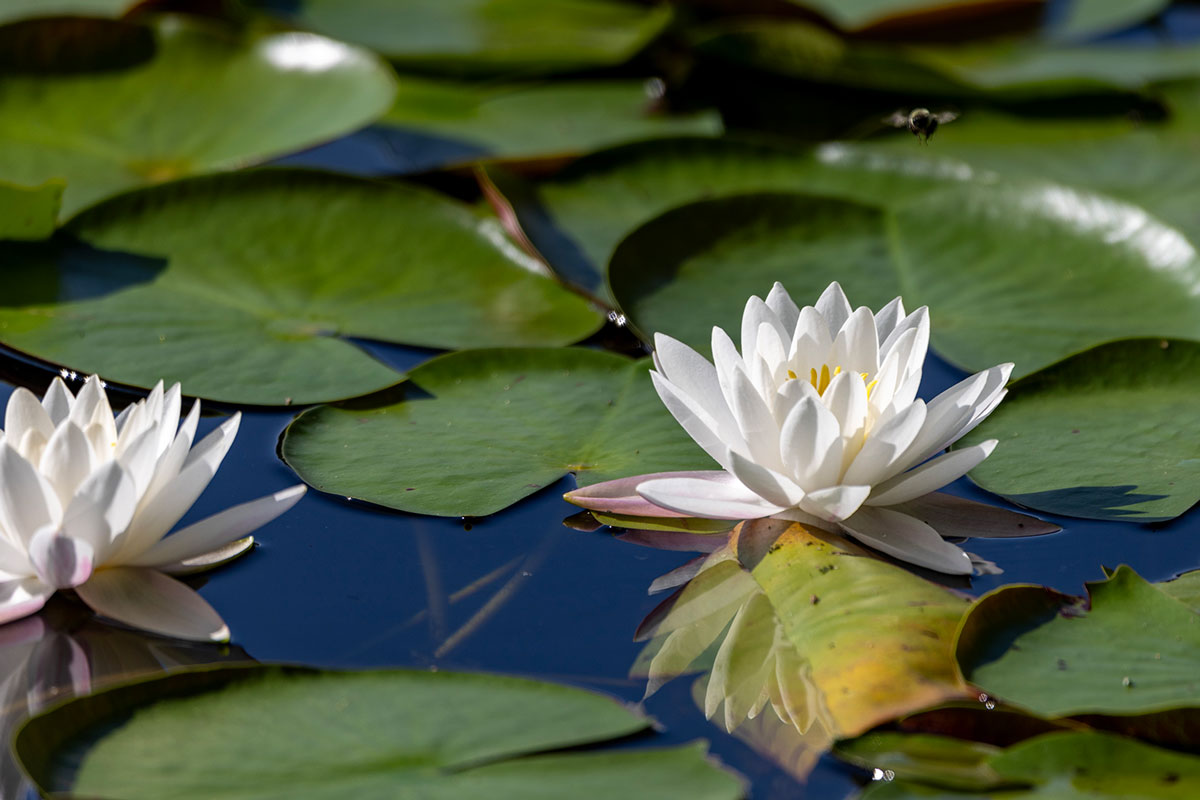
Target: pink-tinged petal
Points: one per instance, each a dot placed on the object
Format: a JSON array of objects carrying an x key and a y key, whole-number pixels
[
  {"x": 780, "y": 302},
  {"x": 210, "y": 560},
  {"x": 907, "y": 539},
  {"x": 886, "y": 446},
  {"x": 66, "y": 460},
  {"x": 60, "y": 561},
  {"x": 210, "y": 533},
  {"x": 620, "y": 496},
  {"x": 27, "y": 502},
  {"x": 710, "y": 499},
  {"x": 24, "y": 413},
  {"x": 695, "y": 377},
  {"x": 147, "y": 599},
  {"x": 811, "y": 443},
  {"x": 768, "y": 484},
  {"x": 101, "y": 509},
  {"x": 834, "y": 308},
  {"x": 693, "y": 418},
  {"x": 58, "y": 401},
  {"x": 931, "y": 476},
  {"x": 20, "y": 597},
  {"x": 835, "y": 503},
  {"x": 17, "y": 634},
  {"x": 675, "y": 540},
  {"x": 956, "y": 516}
]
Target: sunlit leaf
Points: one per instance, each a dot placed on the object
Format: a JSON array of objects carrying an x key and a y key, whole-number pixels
[
  {"x": 271, "y": 732},
  {"x": 457, "y": 122},
  {"x": 1185, "y": 589},
  {"x": 248, "y": 288},
  {"x": 1110, "y": 434},
  {"x": 1084, "y": 18},
  {"x": 29, "y": 212},
  {"x": 479, "y": 430},
  {"x": 208, "y": 100},
  {"x": 1134, "y": 650},
  {"x": 1070, "y": 766},
  {"x": 490, "y": 36}
]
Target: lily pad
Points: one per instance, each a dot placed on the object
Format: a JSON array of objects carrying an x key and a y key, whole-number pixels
[
  {"x": 944, "y": 760},
  {"x": 879, "y": 639},
  {"x": 473, "y": 122},
  {"x": 483, "y": 37},
  {"x": 858, "y": 14},
  {"x": 1110, "y": 434},
  {"x": 1081, "y": 765},
  {"x": 1133, "y": 651},
  {"x": 693, "y": 267},
  {"x": 1036, "y": 272},
  {"x": 267, "y": 277},
  {"x": 395, "y": 734},
  {"x": 29, "y": 212},
  {"x": 1084, "y": 18},
  {"x": 209, "y": 99},
  {"x": 1185, "y": 589},
  {"x": 479, "y": 430},
  {"x": 11, "y": 10}
]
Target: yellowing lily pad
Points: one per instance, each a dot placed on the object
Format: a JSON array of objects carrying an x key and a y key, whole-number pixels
[
  {"x": 250, "y": 288},
  {"x": 478, "y": 430},
  {"x": 263, "y": 732},
  {"x": 1113, "y": 433},
  {"x": 209, "y": 99},
  {"x": 491, "y": 36}
]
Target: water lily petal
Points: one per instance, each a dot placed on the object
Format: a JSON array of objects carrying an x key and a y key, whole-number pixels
[
  {"x": 917, "y": 321},
  {"x": 770, "y": 359},
  {"x": 27, "y": 501},
  {"x": 755, "y": 314},
  {"x": 693, "y": 375},
  {"x": 810, "y": 443},
  {"x": 210, "y": 560},
  {"x": 140, "y": 457},
  {"x": 170, "y": 462},
  {"x": 835, "y": 503},
  {"x": 151, "y": 601},
  {"x": 219, "y": 529},
  {"x": 757, "y": 425},
  {"x": 61, "y": 561},
  {"x": 20, "y": 597},
  {"x": 811, "y": 342},
  {"x": 779, "y": 301},
  {"x": 931, "y": 476},
  {"x": 834, "y": 307},
  {"x": 91, "y": 407},
  {"x": 907, "y": 539},
  {"x": 101, "y": 509},
  {"x": 694, "y": 419},
  {"x": 846, "y": 397},
  {"x": 957, "y": 410},
  {"x": 169, "y": 419},
  {"x": 886, "y": 446},
  {"x": 58, "y": 401},
  {"x": 957, "y": 516},
  {"x": 856, "y": 346},
  {"x": 66, "y": 460},
  {"x": 724, "y": 498},
  {"x": 766, "y": 483},
  {"x": 886, "y": 320},
  {"x": 620, "y": 496},
  {"x": 23, "y": 413}
]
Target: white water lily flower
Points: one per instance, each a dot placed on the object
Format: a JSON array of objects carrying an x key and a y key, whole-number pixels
[
  {"x": 86, "y": 501},
  {"x": 816, "y": 420}
]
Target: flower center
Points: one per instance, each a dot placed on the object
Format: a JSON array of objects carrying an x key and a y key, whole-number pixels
[{"x": 820, "y": 380}]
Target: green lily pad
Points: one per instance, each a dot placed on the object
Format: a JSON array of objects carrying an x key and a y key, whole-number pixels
[
  {"x": 1185, "y": 589},
  {"x": 1034, "y": 273},
  {"x": 1110, "y": 434},
  {"x": 693, "y": 267},
  {"x": 516, "y": 122},
  {"x": 208, "y": 100},
  {"x": 1133, "y": 651},
  {"x": 268, "y": 732},
  {"x": 858, "y": 14},
  {"x": 479, "y": 430},
  {"x": 1070, "y": 766},
  {"x": 269, "y": 274},
  {"x": 29, "y": 212},
  {"x": 878, "y": 639},
  {"x": 11, "y": 10},
  {"x": 1084, "y": 18},
  {"x": 483, "y": 37},
  {"x": 944, "y": 760}
]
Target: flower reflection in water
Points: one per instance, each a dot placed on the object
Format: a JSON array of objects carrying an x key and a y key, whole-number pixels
[{"x": 64, "y": 652}]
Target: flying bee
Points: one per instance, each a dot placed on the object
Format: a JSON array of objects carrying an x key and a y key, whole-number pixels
[{"x": 921, "y": 122}]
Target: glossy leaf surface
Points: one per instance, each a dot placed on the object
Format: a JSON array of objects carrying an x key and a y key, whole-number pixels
[
  {"x": 250, "y": 286},
  {"x": 479, "y": 430},
  {"x": 1090, "y": 437},
  {"x": 325, "y": 735},
  {"x": 207, "y": 100}
]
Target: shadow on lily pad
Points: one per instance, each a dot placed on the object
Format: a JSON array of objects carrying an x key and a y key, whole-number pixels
[{"x": 1092, "y": 502}]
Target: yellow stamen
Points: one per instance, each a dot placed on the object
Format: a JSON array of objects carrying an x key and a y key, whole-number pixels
[{"x": 820, "y": 380}]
